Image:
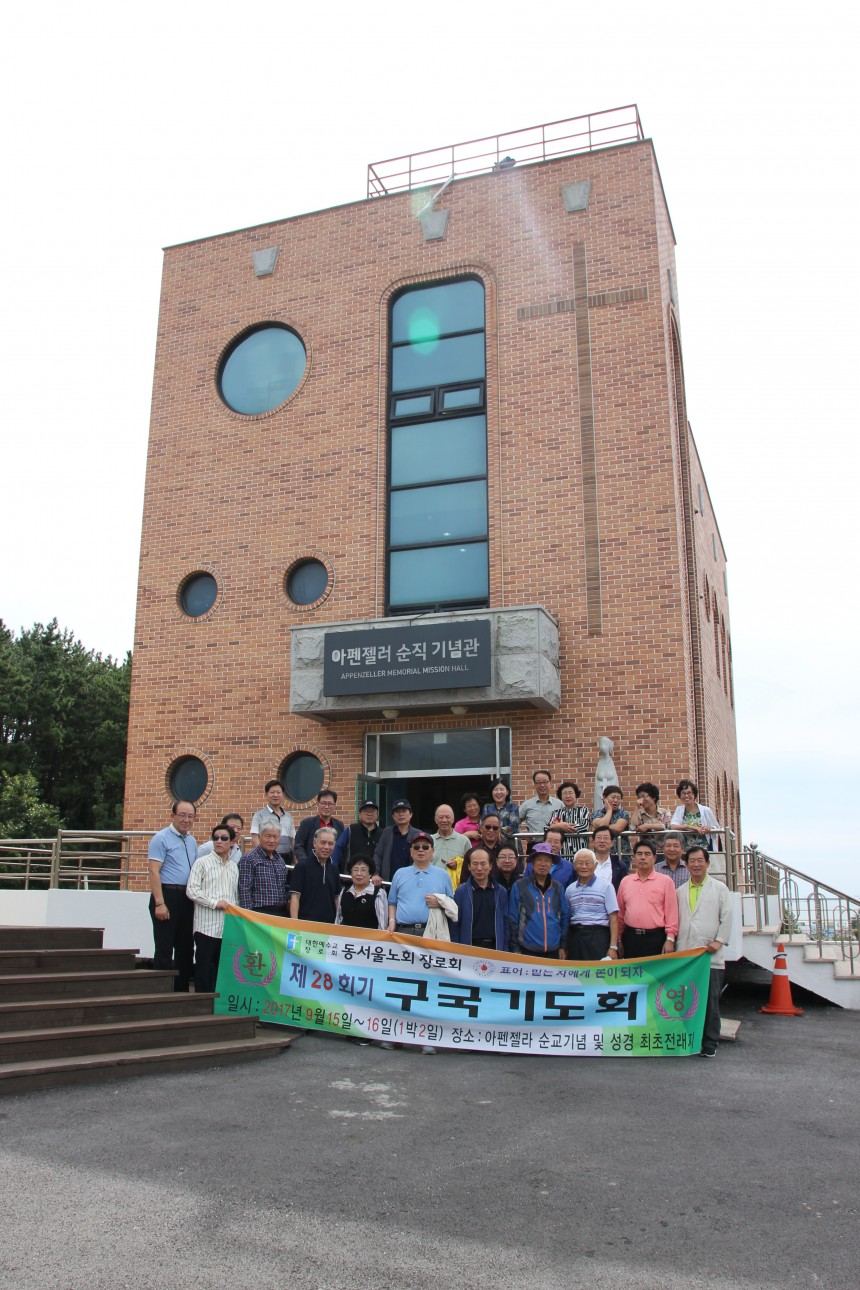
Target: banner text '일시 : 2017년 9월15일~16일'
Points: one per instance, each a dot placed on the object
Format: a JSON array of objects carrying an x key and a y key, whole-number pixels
[{"x": 402, "y": 989}]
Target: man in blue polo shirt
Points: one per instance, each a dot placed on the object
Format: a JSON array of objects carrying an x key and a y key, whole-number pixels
[
  {"x": 414, "y": 889},
  {"x": 172, "y": 852},
  {"x": 593, "y": 932}
]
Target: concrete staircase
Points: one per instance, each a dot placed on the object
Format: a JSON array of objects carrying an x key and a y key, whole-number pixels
[
  {"x": 73, "y": 1012},
  {"x": 817, "y": 924},
  {"x": 826, "y": 971}
]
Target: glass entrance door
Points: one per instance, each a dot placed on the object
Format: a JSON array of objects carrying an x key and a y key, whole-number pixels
[{"x": 428, "y": 767}]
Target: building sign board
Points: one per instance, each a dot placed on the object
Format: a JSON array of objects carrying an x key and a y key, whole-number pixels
[{"x": 430, "y": 656}]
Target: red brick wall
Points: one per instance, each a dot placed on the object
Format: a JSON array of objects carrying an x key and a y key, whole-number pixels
[{"x": 244, "y": 496}]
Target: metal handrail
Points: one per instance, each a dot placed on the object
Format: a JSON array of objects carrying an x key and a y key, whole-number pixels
[
  {"x": 585, "y": 133},
  {"x": 808, "y": 908}
]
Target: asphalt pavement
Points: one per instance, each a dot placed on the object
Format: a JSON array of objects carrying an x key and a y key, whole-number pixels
[{"x": 333, "y": 1167}]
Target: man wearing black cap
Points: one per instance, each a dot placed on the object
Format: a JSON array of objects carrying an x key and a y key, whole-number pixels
[
  {"x": 359, "y": 838},
  {"x": 392, "y": 849}
]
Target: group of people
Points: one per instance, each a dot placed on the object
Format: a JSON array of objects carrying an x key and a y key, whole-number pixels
[{"x": 518, "y": 879}]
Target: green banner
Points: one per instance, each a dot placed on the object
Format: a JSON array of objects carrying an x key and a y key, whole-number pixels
[{"x": 403, "y": 989}]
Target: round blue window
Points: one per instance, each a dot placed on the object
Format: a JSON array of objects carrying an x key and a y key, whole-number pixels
[
  {"x": 188, "y": 779},
  {"x": 261, "y": 369},
  {"x": 302, "y": 776},
  {"x": 307, "y": 581},
  {"x": 198, "y": 594}
]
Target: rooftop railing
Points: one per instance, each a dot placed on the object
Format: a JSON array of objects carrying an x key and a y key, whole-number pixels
[{"x": 504, "y": 151}]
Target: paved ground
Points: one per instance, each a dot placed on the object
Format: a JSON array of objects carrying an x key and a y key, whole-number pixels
[{"x": 334, "y": 1167}]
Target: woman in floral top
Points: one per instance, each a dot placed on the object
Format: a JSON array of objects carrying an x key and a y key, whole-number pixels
[
  {"x": 507, "y": 811},
  {"x": 572, "y": 819},
  {"x": 649, "y": 817}
]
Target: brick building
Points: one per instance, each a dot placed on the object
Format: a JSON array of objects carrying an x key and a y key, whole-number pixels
[{"x": 422, "y": 499}]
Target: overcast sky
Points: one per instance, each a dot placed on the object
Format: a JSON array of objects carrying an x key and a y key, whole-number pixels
[{"x": 128, "y": 129}]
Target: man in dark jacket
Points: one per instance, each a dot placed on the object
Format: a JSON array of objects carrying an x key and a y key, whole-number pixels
[
  {"x": 324, "y": 819},
  {"x": 316, "y": 883},
  {"x": 359, "y": 838},
  {"x": 392, "y": 850},
  {"x": 483, "y": 906}
]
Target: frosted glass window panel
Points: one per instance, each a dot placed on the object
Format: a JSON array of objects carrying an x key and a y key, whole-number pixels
[
  {"x": 431, "y": 450},
  {"x": 441, "y": 514},
  {"x": 417, "y": 406},
  {"x": 439, "y": 575},
  {"x": 470, "y": 398},
  {"x": 438, "y": 362},
  {"x": 438, "y": 311}
]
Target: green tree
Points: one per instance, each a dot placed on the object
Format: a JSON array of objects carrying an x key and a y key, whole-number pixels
[
  {"x": 22, "y": 812},
  {"x": 63, "y": 720}
]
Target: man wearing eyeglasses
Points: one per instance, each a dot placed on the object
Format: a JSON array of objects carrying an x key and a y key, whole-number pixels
[
  {"x": 414, "y": 889},
  {"x": 172, "y": 852},
  {"x": 213, "y": 886},
  {"x": 536, "y": 812}
]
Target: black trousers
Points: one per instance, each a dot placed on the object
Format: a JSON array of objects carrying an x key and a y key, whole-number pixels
[
  {"x": 207, "y": 955},
  {"x": 711, "y": 1033},
  {"x": 174, "y": 937},
  {"x": 587, "y": 944},
  {"x": 538, "y": 954},
  {"x": 643, "y": 944}
]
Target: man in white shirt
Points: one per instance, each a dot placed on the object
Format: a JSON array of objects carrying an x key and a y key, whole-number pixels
[
  {"x": 536, "y": 812},
  {"x": 212, "y": 886},
  {"x": 237, "y": 824},
  {"x": 274, "y": 813}
]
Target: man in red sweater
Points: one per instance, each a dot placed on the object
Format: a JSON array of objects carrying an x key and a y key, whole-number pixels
[{"x": 647, "y": 907}]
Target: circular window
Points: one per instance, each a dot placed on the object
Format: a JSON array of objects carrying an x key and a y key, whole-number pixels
[
  {"x": 302, "y": 776},
  {"x": 261, "y": 369},
  {"x": 188, "y": 779},
  {"x": 306, "y": 582},
  {"x": 198, "y": 594}
]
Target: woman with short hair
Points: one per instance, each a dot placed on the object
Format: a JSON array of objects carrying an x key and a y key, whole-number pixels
[
  {"x": 692, "y": 817},
  {"x": 507, "y": 811},
  {"x": 573, "y": 820}
]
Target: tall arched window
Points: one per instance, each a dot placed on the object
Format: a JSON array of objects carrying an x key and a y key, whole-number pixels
[
  {"x": 716, "y": 611},
  {"x": 438, "y": 553},
  {"x": 723, "y": 652}
]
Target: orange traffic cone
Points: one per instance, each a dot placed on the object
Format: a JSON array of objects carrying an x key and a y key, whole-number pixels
[{"x": 780, "y": 1003}]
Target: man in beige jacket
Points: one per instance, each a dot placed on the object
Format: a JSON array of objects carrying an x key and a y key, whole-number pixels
[{"x": 705, "y": 922}]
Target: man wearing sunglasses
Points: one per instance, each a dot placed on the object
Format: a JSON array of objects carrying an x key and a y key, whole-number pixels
[
  {"x": 491, "y": 836},
  {"x": 415, "y": 887},
  {"x": 213, "y": 886},
  {"x": 415, "y": 890}
]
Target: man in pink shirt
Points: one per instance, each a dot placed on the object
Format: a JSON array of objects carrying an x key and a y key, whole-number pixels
[{"x": 647, "y": 907}]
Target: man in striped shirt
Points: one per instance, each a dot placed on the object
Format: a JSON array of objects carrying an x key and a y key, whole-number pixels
[
  {"x": 213, "y": 885},
  {"x": 593, "y": 932}
]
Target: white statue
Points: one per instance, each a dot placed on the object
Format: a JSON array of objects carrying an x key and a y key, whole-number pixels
[{"x": 606, "y": 773}]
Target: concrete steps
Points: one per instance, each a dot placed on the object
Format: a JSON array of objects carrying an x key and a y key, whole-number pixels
[
  {"x": 37, "y": 938},
  {"x": 39, "y": 1014},
  {"x": 73, "y": 1013},
  {"x": 56, "y": 961},
  {"x": 827, "y": 973},
  {"x": 25, "y": 1077}
]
